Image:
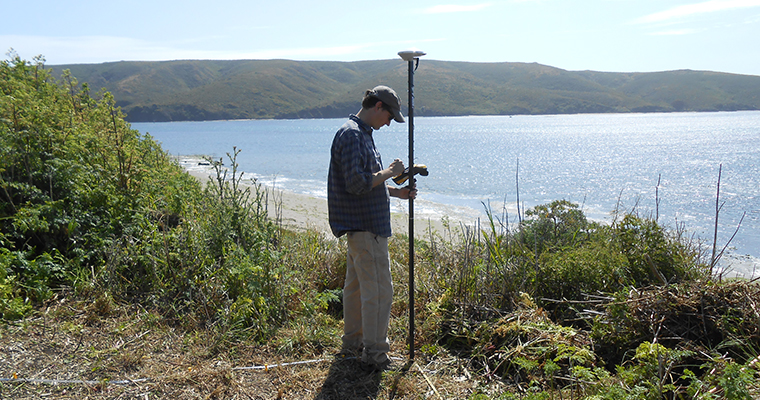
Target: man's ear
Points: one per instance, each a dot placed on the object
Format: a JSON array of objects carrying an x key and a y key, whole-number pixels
[{"x": 378, "y": 105}]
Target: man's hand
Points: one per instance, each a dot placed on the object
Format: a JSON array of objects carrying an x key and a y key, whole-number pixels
[
  {"x": 406, "y": 192},
  {"x": 396, "y": 168}
]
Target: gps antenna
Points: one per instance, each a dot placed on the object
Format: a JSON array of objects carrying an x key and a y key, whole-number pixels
[{"x": 410, "y": 56}]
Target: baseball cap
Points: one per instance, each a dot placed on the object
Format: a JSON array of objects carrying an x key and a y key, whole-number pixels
[{"x": 390, "y": 99}]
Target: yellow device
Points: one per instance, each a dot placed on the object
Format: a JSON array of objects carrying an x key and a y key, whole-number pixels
[{"x": 418, "y": 169}]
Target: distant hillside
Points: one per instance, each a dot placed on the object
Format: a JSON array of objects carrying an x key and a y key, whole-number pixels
[{"x": 258, "y": 89}]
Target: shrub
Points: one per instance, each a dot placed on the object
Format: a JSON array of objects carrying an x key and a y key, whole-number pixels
[
  {"x": 654, "y": 256},
  {"x": 553, "y": 226},
  {"x": 87, "y": 202}
]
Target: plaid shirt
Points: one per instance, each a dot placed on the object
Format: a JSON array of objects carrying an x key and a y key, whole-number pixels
[{"x": 353, "y": 204}]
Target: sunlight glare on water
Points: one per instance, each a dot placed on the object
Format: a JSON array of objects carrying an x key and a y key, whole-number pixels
[{"x": 600, "y": 161}]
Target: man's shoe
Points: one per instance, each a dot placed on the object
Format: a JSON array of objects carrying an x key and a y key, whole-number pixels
[
  {"x": 350, "y": 353},
  {"x": 347, "y": 354}
]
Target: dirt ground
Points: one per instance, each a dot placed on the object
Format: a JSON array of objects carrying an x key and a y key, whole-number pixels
[{"x": 72, "y": 351}]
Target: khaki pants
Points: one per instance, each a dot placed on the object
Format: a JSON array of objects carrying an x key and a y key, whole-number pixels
[{"x": 367, "y": 296}]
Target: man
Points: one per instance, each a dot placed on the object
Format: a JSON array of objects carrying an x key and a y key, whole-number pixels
[{"x": 359, "y": 206}]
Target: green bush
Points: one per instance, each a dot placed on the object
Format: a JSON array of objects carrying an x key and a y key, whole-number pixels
[
  {"x": 73, "y": 175},
  {"x": 654, "y": 256},
  {"x": 554, "y": 226},
  {"x": 89, "y": 203},
  {"x": 12, "y": 305},
  {"x": 593, "y": 268}
]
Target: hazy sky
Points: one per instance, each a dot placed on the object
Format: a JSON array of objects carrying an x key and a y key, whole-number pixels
[{"x": 600, "y": 35}]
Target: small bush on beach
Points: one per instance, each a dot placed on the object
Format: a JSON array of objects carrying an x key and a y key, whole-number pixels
[{"x": 557, "y": 257}]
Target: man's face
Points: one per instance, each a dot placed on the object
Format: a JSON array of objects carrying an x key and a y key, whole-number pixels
[
  {"x": 390, "y": 115},
  {"x": 382, "y": 116}
]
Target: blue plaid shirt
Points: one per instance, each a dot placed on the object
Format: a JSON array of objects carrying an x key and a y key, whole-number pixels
[{"x": 353, "y": 204}]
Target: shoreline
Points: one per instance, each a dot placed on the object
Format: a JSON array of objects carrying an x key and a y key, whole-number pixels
[{"x": 304, "y": 212}]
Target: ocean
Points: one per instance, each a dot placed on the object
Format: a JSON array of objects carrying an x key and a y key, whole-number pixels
[{"x": 664, "y": 166}]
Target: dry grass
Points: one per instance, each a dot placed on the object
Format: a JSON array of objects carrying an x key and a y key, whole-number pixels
[
  {"x": 102, "y": 350},
  {"x": 123, "y": 352}
]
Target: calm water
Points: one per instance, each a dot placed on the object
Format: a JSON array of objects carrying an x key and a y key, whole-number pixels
[{"x": 601, "y": 161}]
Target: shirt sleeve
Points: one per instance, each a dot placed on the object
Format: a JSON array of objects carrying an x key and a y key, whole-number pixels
[{"x": 357, "y": 167}]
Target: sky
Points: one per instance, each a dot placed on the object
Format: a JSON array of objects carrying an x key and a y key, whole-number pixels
[{"x": 598, "y": 35}]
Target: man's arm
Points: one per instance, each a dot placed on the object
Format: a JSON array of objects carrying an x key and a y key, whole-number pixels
[
  {"x": 395, "y": 169},
  {"x": 405, "y": 192}
]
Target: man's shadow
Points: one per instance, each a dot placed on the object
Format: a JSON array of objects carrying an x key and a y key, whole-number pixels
[{"x": 346, "y": 380}]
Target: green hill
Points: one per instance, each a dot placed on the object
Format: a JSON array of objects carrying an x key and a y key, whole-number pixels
[{"x": 265, "y": 89}]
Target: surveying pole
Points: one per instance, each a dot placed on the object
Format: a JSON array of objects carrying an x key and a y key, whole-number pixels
[{"x": 412, "y": 57}]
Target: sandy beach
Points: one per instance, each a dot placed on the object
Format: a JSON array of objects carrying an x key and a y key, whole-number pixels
[
  {"x": 300, "y": 211},
  {"x": 306, "y": 212}
]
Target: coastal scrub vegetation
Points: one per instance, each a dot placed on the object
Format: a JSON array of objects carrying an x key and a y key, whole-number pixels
[{"x": 170, "y": 283}]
